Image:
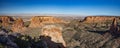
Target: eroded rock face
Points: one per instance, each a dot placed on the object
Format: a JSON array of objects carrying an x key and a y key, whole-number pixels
[
  {"x": 98, "y": 19},
  {"x": 55, "y": 33},
  {"x": 5, "y": 20},
  {"x": 115, "y": 29},
  {"x": 18, "y": 25},
  {"x": 39, "y": 21}
]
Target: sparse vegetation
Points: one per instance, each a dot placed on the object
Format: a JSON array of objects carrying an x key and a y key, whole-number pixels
[
  {"x": 76, "y": 35},
  {"x": 27, "y": 23}
]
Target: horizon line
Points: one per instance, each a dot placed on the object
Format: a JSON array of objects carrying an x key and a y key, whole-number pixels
[{"x": 28, "y": 14}]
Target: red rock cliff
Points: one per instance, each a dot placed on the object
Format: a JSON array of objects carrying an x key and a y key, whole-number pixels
[
  {"x": 5, "y": 20},
  {"x": 39, "y": 21},
  {"x": 18, "y": 25},
  {"x": 98, "y": 19}
]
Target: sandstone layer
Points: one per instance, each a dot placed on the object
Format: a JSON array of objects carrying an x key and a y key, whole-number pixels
[
  {"x": 98, "y": 19},
  {"x": 39, "y": 21},
  {"x": 55, "y": 32},
  {"x": 18, "y": 25},
  {"x": 5, "y": 20}
]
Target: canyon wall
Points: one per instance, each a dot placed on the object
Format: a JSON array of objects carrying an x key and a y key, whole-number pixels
[
  {"x": 39, "y": 21},
  {"x": 5, "y": 20},
  {"x": 115, "y": 28},
  {"x": 55, "y": 32},
  {"x": 98, "y": 19},
  {"x": 18, "y": 25}
]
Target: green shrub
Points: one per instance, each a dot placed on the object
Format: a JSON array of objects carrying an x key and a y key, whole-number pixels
[{"x": 2, "y": 46}]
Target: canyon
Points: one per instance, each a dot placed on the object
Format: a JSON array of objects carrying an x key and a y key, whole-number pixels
[{"x": 60, "y": 32}]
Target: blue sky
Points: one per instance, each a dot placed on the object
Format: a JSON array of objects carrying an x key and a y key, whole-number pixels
[{"x": 74, "y": 7}]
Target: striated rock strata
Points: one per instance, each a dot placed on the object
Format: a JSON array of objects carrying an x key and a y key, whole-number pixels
[
  {"x": 39, "y": 21},
  {"x": 5, "y": 20},
  {"x": 98, "y": 19},
  {"x": 18, "y": 25}
]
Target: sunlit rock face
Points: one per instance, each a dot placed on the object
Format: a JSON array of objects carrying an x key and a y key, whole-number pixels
[
  {"x": 115, "y": 29},
  {"x": 5, "y": 20},
  {"x": 18, "y": 25},
  {"x": 39, "y": 21},
  {"x": 98, "y": 19},
  {"x": 55, "y": 32}
]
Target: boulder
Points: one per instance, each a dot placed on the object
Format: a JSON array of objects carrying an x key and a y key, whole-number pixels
[{"x": 55, "y": 33}]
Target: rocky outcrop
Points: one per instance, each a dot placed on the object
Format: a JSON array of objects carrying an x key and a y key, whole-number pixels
[
  {"x": 5, "y": 20},
  {"x": 55, "y": 33},
  {"x": 7, "y": 40},
  {"x": 98, "y": 19},
  {"x": 115, "y": 29},
  {"x": 39, "y": 21},
  {"x": 18, "y": 25}
]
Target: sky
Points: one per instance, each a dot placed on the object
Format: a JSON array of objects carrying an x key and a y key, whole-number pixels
[{"x": 69, "y": 7}]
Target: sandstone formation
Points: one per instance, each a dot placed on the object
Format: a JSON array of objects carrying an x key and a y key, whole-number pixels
[
  {"x": 5, "y": 20},
  {"x": 55, "y": 33},
  {"x": 98, "y": 19},
  {"x": 115, "y": 29},
  {"x": 18, "y": 25},
  {"x": 39, "y": 21}
]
